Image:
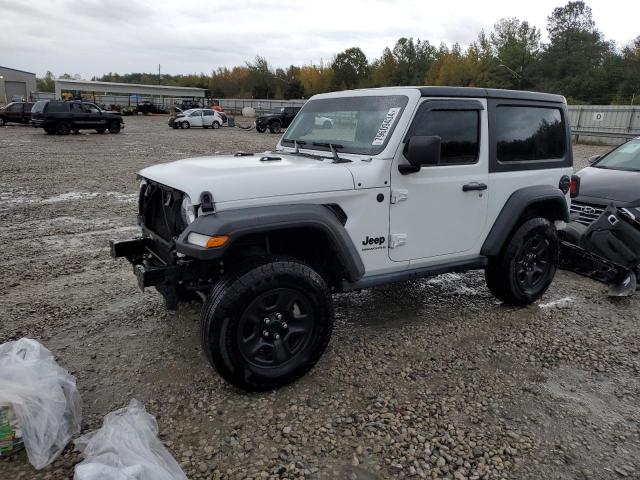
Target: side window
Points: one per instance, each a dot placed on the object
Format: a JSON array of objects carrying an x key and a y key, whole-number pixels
[
  {"x": 458, "y": 129},
  {"x": 526, "y": 133},
  {"x": 197, "y": 113},
  {"x": 76, "y": 108},
  {"x": 90, "y": 108},
  {"x": 13, "y": 108},
  {"x": 208, "y": 113}
]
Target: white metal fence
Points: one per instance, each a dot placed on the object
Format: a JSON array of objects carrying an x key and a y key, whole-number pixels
[{"x": 610, "y": 124}]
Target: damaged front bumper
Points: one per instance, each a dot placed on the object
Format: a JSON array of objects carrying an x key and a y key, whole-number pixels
[
  {"x": 607, "y": 251},
  {"x": 156, "y": 264}
]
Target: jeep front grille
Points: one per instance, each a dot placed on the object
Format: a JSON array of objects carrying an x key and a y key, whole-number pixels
[
  {"x": 585, "y": 213},
  {"x": 160, "y": 210}
]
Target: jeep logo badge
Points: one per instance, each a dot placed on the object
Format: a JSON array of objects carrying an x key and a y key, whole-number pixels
[{"x": 373, "y": 240}]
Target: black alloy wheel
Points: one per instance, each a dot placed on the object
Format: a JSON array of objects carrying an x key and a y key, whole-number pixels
[
  {"x": 275, "y": 327},
  {"x": 534, "y": 263}
]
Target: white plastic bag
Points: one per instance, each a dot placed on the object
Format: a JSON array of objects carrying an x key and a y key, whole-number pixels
[
  {"x": 44, "y": 397},
  {"x": 126, "y": 448}
]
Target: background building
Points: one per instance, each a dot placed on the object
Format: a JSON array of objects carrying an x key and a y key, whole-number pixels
[{"x": 16, "y": 83}]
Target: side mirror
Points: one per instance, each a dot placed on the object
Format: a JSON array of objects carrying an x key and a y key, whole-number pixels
[
  {"x": 593, "y": 159},
  {"x": 421, "y": 151}
]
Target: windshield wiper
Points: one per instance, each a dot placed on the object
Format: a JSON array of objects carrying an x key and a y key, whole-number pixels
[{"x": 333, "y": 147}]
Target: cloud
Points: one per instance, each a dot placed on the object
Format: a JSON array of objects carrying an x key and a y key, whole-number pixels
[{"x": 92, "y": 37}]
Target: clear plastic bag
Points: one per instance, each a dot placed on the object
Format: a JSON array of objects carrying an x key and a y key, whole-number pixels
[
  {"x": 126, "y": 448},
  {"x": 44, "y": 397}
]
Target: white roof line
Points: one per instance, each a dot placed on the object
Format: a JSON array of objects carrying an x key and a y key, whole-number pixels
[{"x": 138, "y": 85}]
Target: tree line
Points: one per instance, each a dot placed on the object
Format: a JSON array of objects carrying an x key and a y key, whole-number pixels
[{"x": 577, "y": 62}]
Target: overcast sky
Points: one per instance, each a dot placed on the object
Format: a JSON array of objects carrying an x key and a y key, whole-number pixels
[{"x": 92, "y": 37}]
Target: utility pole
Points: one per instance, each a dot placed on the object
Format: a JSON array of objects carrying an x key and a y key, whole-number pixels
[{"x": 158, "y": 74}]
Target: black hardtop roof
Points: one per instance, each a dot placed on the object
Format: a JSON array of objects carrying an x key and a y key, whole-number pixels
[{"x": 489, "y": 93}]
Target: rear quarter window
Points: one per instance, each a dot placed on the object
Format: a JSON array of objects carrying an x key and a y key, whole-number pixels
[{"x": 529, "y": 133}]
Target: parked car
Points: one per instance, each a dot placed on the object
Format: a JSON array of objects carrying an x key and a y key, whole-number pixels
[
  {"x": 147, "y": 107},
  {"x": 198, "y": 117},
  {"x": 64, "y": 117},
  {"x": 16, "y": 112},
  {"x": 279, "y": 118},
  {"x": 418, "y": 181},
  {"x": 610, "y": 178}
]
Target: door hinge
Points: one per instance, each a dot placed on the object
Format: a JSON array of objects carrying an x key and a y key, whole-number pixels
[
  {"x": 399, "y": 195},
  {"x": 397, "y": 239}
]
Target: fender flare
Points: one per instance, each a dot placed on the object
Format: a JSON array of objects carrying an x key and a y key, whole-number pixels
[
  {"x": 513, "y": 209},
  {"x": 244, "y": 221}
]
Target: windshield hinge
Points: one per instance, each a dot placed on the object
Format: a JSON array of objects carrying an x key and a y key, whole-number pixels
[
  {"x": 397, "y": 239},
  {"x": 399, "y": 195}
]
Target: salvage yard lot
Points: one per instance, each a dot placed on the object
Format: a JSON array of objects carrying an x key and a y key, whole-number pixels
[{"x": 432, "y": 378}]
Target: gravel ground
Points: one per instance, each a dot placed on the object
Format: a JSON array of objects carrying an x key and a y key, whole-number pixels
[{"x": 432, "y": 378}]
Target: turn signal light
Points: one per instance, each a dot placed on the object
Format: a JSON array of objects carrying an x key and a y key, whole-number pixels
[
  {"x": 206, "y": 241},
  {"x": 218, "y": 241}
]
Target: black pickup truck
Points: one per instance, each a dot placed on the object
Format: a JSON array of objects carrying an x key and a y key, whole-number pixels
[
  {"x": 277, "y": 119},
  {"x": 63, "y": 117},
  {"x": 16, "y": 112}
]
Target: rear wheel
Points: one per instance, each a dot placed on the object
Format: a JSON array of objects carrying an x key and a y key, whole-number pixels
[
  {"x": 275, "y": 126},
  {"x": 215, "y": 125},
  {"x": 114, "y": 127},
  {"x": 267, "y": 324},
  {"x": 525, "y": 268},
  {"x": 261, "y": 128},
  {"x": 63, "y": 128}
]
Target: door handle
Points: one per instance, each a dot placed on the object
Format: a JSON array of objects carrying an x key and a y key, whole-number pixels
[{"x": 470, "y": 187}]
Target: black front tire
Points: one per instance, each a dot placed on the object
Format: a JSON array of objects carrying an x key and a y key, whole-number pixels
[
  {"x": 63, "y": 128},
  {"x": 275, "y": 127},
  {"x": 261, "y": 128},
  {"x": 525, "y": 268},
  {"x": 114, "y": 127},
  {"x": 267, "y": 324}
]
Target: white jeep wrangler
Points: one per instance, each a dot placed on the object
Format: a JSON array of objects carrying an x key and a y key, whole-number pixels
[{"x": 406, "y": 183}]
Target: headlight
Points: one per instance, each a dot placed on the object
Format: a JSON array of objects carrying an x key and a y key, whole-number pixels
[{"x": 187, "y": 210}]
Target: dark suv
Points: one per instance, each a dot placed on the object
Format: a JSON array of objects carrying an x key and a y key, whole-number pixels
[
  {"x": 279, "y": 118},
  {"x": 16, "y": 112},
  {"x": 63, "y": 117}
]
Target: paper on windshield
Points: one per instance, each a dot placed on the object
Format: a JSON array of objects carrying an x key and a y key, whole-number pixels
[{"x": 385, "y": 126}]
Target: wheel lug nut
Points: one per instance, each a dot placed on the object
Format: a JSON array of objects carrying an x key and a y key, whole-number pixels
[
  {"x": 278, "y": 316},
  {"x": 277, "y": 336},
  {"x": 284, "y": 324},
  {"x": 265, "y": 333},
  {"x": 267, "y": 321}
]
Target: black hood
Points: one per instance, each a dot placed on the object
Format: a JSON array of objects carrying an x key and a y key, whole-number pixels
[{"x": 603, "y": 186}]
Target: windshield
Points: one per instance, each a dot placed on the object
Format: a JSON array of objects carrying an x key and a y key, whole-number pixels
[
  {"x": 359, "y": 125},
  {"x": 625, "y": 157},
  {"x": 38, "y": 107}
]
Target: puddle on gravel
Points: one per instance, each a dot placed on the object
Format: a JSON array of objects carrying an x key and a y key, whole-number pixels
[
  {"x": 587, "y": 395},
  {"x": 18, "y": 196},
  {"x": 561, "y": 303}
]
